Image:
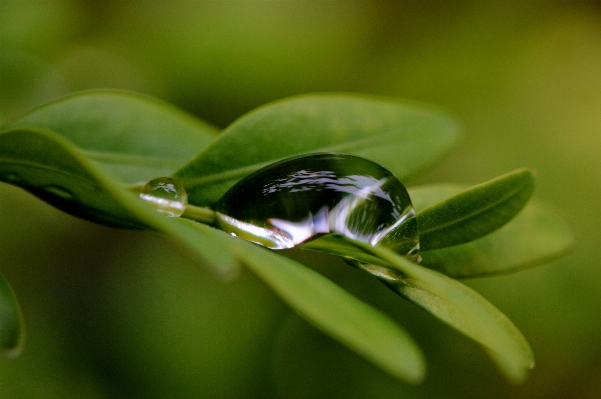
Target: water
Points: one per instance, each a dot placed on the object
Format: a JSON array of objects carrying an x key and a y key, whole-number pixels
[
  {"x": 301, "y": 198},
  {"x": 168, "y": 196}
]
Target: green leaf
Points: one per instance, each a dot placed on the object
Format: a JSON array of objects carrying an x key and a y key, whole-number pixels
[
  {"x": 475, "y": 212},
  {"x": 538, "y": 234},
  {"x": 337, "y": 313},
  {"x": 401, "y": 136},
  {"x": 50, "y": 167},
  {"x": 11, "y": 321},
  {"x": 459, "y": 306},
  {"x": 132, "y": 137}
]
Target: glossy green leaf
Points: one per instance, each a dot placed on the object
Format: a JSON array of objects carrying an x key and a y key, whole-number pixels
[
  {"x": 11, "y": 321},
  {"x": 337, "y": 313},
  {"x": 51, "y": 168},
  {"x": 132, "y": 137},
  {"x": 459, "y": 306},
  {"x": 401, "y": 136},
  {"x": 536, "y": 235},
  {"x": 475, "y": 212}
]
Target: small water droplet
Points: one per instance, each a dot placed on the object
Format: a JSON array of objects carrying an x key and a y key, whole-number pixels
[
  {"x": 168, "y": 196},
  {"x": 300, "y": 198}
]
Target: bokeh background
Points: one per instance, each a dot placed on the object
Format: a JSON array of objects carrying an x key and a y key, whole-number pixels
[{"x": 117, "y": 314}]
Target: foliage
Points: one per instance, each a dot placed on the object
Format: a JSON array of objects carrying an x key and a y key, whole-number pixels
[{"x": 85, "y": 154}]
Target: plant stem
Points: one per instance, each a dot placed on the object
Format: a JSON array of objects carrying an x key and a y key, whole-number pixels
[{"x": 199, "y": 214}]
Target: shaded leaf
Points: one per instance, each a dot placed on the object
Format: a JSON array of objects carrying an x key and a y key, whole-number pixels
[
  {"x": 11, "y": 321},
  {"x": 474, "y": 212},
  {"x": 51, "y": 168},
  {"x": 337, "y": 313},
  {"x": 459, "y": 306},
  {"x": 401, "y": 136},
  {"x": 132, "y": 137}
]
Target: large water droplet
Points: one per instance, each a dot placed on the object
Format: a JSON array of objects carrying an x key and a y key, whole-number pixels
[
  {"x": 300, "y": 198},
  {"x": 168, "y": 196}
]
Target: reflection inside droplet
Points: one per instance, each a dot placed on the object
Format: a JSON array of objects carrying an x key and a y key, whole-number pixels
[
  {"x": 295, "y": 200},
  {"x": 168, "y": 196}
]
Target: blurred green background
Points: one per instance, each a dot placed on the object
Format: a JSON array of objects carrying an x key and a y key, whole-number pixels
[{"x": 117, "y": 314}]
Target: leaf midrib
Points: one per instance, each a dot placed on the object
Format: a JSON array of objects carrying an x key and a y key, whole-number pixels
[{"x": 479, "y": 211}]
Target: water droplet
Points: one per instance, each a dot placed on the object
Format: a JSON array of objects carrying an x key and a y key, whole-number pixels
[
  {"x": 300, "y": 198},
  {"x": 168, "y": 196}
]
